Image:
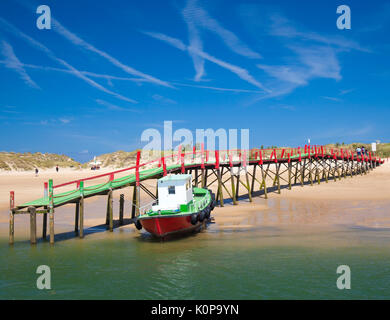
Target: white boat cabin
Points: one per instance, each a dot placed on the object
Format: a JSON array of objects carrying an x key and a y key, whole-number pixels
[{"x": 173, "y": 191}]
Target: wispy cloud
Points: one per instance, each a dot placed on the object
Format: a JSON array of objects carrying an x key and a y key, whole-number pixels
[
  {"x": 240, "y": 72},
  {"x": 195, "y": 42},
  {"x": 49, "y": 122},
  {"x": 310, "y": 62},
  {"x": 74, "y": 39},
  {"x": 332, "y": 98},
  {"x": 216, "y": 88},
  {"x": 197, "y": 18},
  {"x": 343, "y": 92},
  {"x": 283, "y": 107},
  {"x": 86, "y": 73},
  {"x": 164, "y": 100},
  {"x": 65, "y": 120},
  {"x": 114, "y": 107},
  {"x": 282, "y": 27},
  {"x": 39, "y": 46},
  {"x": 13, "y": 63}
]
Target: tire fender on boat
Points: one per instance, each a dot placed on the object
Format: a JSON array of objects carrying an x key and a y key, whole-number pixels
[
  {"x": 207, "y": 215},
  {"x": 138, "y": 225},
  {"x": 194, "y": 218},
  {"x": 202, "y": 215}
]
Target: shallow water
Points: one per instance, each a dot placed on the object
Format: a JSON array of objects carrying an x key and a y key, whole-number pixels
[{"x": 285, "y": 251}]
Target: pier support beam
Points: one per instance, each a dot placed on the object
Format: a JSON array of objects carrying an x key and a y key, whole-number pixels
[
  {"x": 11, "y": 217},
  {"x": 137, "y": 200},
  {"x": 81, "y": 212},
  {"x": 109, "y": 218},
  {"x": 253, "y": 179},
  {"x": 134, "y": 202},
  {"x": 263, "y": 182},
  {"x": 76, "y": 217},
  {"x": 44, "y": 224},
  {"x": 233, "y": 187},
  {"x": 121, "y": 208},
  {"x": 51, "y": 226},
  {"x": 11, "y": 227},
  {"x": 220, "y": 194},
  {"x": 33, "y": 224},
  {"x": 51, "y": 212},
  {"x": 248, "y": 185}
]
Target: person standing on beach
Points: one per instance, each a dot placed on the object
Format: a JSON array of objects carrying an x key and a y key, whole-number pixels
[
  {"x": 363, "y": 150},
  {"x": 57, "y": 168},
  {"x": 358, "y": 151},
  {"x": 36, "y": 172}
]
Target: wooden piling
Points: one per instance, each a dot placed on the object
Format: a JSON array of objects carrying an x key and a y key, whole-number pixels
[
  {"x": 220, "y": 194},
  {"x": 253, "y": 179},
  {"x": 33, "y": 224},
  {"x": 248, "y": 185},
  {"x": 134, "y": 202},
  {"x": 81, "y": 212},
  {"x": 44, "y": 217},
  {"x": 51, "y": 212},
  {"x": 109, "y": 211},
  {"x": 310, "y": 171},
  {"x": 137, "y": 200},
  {"x": 76, "y": 217},
  {"x": 44, "y": 224},
  {"x": 263, "y": 182},
  {"x": 234, "y": 198},
  {"x": 121, "y": 208},
  {"x": 11, "y": 217}
]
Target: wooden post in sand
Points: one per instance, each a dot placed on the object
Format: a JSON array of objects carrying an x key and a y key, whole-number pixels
[
  {"x": 203, "y": 182},
  {"x": 134, "y": 202},
  {"x": 253, "y": 178},
  {"x": 219, "y": 178},
  {"x": 44, "y": 218},
  {"x": 11, "y": 217},
  {"x": 109, "y": 211},
  {"x": 33, "y": 224},
  {"x": 51, "y": 211},
  {"x": 44, "y": 223},
  {"x": 137, "y": 186},
  {"x": 76, "y": 217},
  {"x": 233, "y": 186},
  {"x": 121, "y": 208},
  {"x": 81, "y": 209},
  {"x": 289, "y": 167}
]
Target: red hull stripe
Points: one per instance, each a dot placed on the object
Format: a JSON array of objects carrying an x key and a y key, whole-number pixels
[{"x": 161, "y": 226}]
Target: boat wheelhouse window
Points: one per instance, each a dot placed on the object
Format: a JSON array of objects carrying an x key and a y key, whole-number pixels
[
  {"x": 187, "y": 185},
  {"x": 171, "y": 190}
]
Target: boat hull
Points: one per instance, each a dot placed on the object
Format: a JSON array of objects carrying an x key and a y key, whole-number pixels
[{"x": 162, "y": 226}]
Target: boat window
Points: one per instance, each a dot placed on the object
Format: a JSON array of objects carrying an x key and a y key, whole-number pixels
[{"x": 171, "y": 190}]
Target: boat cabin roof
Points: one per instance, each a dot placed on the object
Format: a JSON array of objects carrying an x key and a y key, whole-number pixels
[{"x": 176, "y": 177}]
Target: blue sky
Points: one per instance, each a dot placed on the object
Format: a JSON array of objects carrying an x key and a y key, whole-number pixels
[{"x": 108, "y": 70}]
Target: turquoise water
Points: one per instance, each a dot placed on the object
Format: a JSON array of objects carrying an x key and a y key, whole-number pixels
[{"x": 261, "y": 262}]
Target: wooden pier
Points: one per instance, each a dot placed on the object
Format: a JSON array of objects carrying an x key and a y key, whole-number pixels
[{"x": 226, "y": 171}]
